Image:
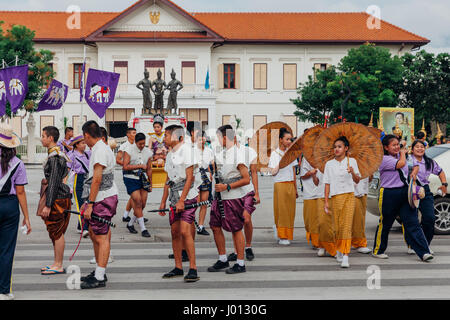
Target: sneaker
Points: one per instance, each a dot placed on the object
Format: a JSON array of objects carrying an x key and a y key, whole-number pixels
[
  {"x": 191, "y": 276},
  {"x": 145, "y": 220},
  {"x": 364, "y": 250},
  {"x": 232, "y": 257},
  {"x": 344, "y": 263},
  {"x": 146, "y": 234},
  {"x": 218, "y": 266},
  {"x": 275, "y": 233},
  {"x": 111, "y": 258},
  {"x": 79, "y": 230},
  {"x": 184, "y": 256},
  {"x": 175, "y": 272},
  {"x": 249, "y": 254},
  {"x": 127, "y": 219},
  {"x": 202, "y": 231},
  {"x": 431, "y": 251},
  {"x": 321, "y": 252},
  {"x": 339, "y": 256},
  {"x": 6, "y": 296},
  {"x": 284, "y": 242},
  {"x": 380, "y": 255},
  {"x": 131, "y": 229},
  {"x": 92, "y": 283},
  {"x": 93, "y": 261},
  {"x": 92, "y": 275},
  {"x": 85, "y": 233},
  {"x": 235, "y": 269},
  {"x": 411, "y": 251},
  {"x": 427, "y": 257}
]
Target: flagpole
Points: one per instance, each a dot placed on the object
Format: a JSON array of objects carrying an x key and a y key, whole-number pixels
[{"x": 80, "y": 123}]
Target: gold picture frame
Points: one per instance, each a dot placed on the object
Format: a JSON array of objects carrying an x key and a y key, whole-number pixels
[{"x": 405, "y": 118}]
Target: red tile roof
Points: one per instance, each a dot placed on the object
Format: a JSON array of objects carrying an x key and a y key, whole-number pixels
[
  {"x": 53, "y": 25},
  {"x": 303, "y": 27},
  {"x": 247, "y": 27}
]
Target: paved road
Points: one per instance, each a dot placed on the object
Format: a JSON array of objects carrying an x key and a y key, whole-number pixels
[{"x": 293, "y": 272}]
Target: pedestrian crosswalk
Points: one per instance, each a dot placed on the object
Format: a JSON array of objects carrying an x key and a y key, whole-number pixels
[{"x": 277, "y": 272}]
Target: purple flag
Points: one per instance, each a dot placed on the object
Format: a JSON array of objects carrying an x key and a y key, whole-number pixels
[
  {"x": 16, "y": 85},
  {"x": 54, "y": 97},
  {"x": 101, "y": 89},
  {"x": 2, "y": 93}
]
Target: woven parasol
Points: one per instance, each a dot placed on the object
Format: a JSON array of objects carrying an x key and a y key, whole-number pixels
[
  {"x": 265, "y": 140},
  {"x": 375, "y": 131},
  {"x": 308, "y": 142},
  {"x": 293, "y": 152},
  {"x": 365, "y": 147}
]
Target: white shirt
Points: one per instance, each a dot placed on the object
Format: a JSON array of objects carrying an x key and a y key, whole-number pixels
[
  {"x": 125, "y": 145},
  {"x": 177, "y": 161},
  {"x": 338, "y": 178},
  {"x": 284, "y": 174},
  {"x": 228, "y": 161},
  {"x": 250, "y": 156},
  {"x": 137, "y": 157},
  {"x": 206, "y": 157},
  {"x": 362, "y": 188},
  {"x": 102, "y": 154},
  {"x": 310, "y": 190}
]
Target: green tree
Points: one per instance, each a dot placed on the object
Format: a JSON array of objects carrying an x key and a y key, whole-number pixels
[
  {"x": 366, "y": 79},
  {"x": 314, "y": 101},
  {"x": 374, "y": 78},
  {"x": 18, "y": 41},
  {"x": 427, "y": 88}
]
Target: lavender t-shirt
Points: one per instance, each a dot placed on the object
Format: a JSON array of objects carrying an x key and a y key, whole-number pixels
[
  {"x": 424, "y": 173},
  {"x": 389, "y": 175},
  {"x": 15, "y": 176}
]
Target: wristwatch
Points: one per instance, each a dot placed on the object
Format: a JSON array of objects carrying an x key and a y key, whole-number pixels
[
  {"x": 228, "y": 187},
  {"x": 445, "y": 184},
  {"x": 90, "y": 202}
]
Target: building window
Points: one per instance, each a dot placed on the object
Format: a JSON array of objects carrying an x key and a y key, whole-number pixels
[
  {"x": 188, "y": 75},
  {"x": 121, "y": 67},
  {"x": 259, "y": 121},
  {"x": 47, "y": 84},
  {"x": 152, "y": 66},
  {"x": 260, "y": 76},
  {"x": 47, "y": 121},
  {"x": 226, "y": 119},
  {"x": 319, "y": 67},
  {"x": 229, "y": 76},
  {"x": 77, "y": 71},
  {"x": 289, "y": 76}
]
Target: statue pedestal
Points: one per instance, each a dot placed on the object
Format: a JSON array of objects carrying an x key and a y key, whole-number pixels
[{"x": 31, "y": 142}]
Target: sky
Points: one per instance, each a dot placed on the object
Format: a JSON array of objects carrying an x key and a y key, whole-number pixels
[{"x": 429, "y": 19}]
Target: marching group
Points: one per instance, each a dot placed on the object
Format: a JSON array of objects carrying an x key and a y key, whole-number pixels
[{"x": 334, "y": 204}]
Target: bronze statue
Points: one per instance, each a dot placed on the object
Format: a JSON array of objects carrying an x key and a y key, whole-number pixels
[
  {"x": 172, "y": 86},
  {"x": 145, "y": 85},
  {"x": 160, "y": 86}
]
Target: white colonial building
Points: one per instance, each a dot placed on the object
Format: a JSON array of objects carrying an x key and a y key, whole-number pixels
[{"x": 255, "y": 60}]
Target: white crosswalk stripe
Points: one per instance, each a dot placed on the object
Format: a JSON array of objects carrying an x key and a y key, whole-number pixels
[{"x": 276, "y": 273}]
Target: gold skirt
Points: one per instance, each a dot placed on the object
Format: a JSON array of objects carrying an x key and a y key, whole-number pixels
[
  {"x": 343, "y": 208},
  {"x": 327, "y": 233},
  {"x": 359, "y": 239},
  {"x": 284, "y": 202}
]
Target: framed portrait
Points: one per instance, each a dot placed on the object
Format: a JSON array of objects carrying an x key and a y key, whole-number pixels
[{"x": 404, "y": 117}]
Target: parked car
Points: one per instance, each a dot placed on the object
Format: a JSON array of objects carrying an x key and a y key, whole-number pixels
[{"x": 441, "y": 154}]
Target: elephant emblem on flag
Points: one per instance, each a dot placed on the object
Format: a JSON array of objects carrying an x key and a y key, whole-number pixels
[
  {"x": 99, "y": 93},
  {"x": 15, "y": 87},
  {"x": 2, "y": 90},
  {"x": 56, "y": 96}
]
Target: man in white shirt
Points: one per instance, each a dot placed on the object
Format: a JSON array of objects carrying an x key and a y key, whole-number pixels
[
  {"x": 251, "y": 198},
  {"x": 101, "y": 192},
  {"x": 137, "y": 172},
  {"x": 228, "y": 212},
  {"x": 131, "y": 134},
  {"x": 181, "y": 189}
]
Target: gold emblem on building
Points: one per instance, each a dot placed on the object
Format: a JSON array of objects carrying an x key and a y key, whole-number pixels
[{"x": 154, "y": 16}]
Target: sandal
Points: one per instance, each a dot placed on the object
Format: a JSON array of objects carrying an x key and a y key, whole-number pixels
[
  {"x": 52, "y": 271},
  {"x": 45, "y": 268}
]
